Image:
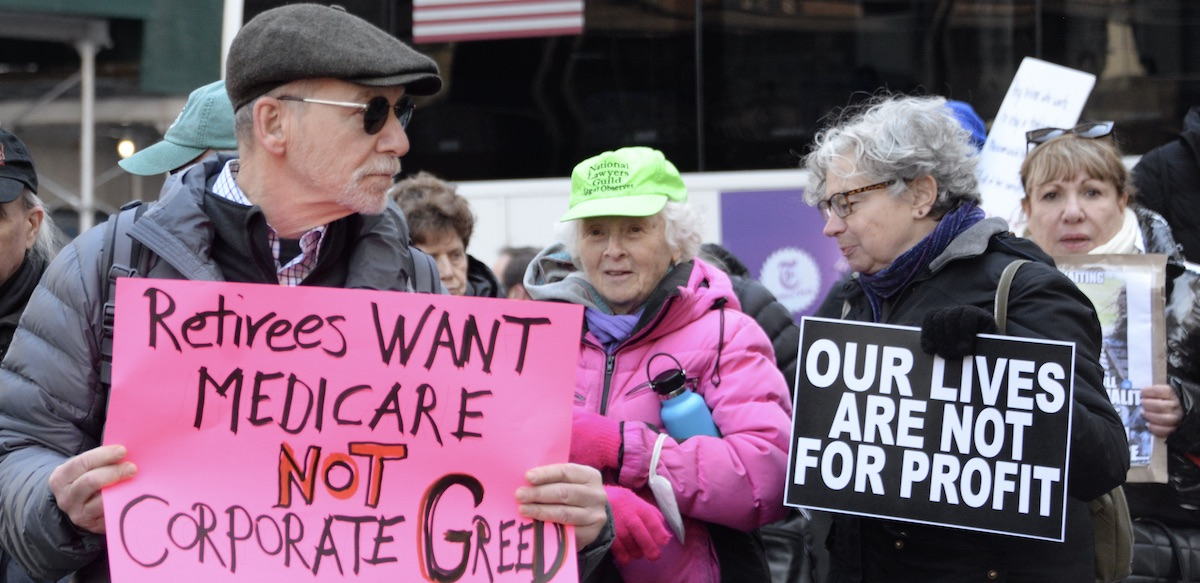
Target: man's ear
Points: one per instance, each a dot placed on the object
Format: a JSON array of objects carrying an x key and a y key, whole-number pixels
[
  {"x": 270, "y": 125},
  {"x": 36, "y": 214}
]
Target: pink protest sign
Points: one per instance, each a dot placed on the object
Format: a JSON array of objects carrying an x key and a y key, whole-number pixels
[{"x": 335, "y": 435}]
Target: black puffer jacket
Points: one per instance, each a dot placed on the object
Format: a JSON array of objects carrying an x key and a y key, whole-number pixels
[
  {"x": 1043, "y": 304},
  {"x": 1168, "y": 182}
]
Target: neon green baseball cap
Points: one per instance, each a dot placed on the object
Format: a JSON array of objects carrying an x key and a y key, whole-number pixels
[{"x": 630, "y": 182}]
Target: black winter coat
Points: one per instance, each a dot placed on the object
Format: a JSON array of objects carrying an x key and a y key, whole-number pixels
[
  {"x": 1168, "y": 182},
  {"x": 481, "y": 282},
  {"x": 1043, "y": 303}
]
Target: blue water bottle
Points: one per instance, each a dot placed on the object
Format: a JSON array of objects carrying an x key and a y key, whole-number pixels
[{"x": 684, "y": 413}]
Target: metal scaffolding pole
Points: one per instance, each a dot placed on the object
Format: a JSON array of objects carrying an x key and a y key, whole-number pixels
[
  {"x": 88, "y": 36},
  {"x": 231, "y": 23},
  {"x": 87, "y": 133}
]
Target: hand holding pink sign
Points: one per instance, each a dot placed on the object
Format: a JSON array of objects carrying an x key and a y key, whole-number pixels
[{"x": 341, "y": 434}]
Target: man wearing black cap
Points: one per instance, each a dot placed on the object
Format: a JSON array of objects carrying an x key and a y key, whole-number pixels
[
  {"x": 321, "y": 100},
  {"x": 28, "y": 241},
  {"x": 28, "y": 238}
]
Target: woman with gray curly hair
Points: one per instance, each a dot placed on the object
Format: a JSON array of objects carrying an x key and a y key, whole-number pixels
[{"x": 895, "y": 181}]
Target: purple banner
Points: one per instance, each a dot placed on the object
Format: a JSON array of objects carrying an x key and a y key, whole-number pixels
[{"x": 779, "y": 238}]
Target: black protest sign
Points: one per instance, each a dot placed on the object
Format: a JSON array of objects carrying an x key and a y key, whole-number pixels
[{"x": 882, "y": 429}]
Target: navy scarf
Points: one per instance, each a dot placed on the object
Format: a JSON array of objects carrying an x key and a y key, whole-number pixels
[{"x": 888, "y": 282}]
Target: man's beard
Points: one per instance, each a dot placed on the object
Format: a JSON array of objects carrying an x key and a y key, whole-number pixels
[{"x": 368, "y": 199}]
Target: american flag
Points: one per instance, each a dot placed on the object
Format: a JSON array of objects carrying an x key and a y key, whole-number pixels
[{"x": 453, "y": 20}]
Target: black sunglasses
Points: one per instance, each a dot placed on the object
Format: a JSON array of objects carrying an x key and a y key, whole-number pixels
[
  {"x": 1090, "y": 131},
  {"x": 375, "y": 111}
]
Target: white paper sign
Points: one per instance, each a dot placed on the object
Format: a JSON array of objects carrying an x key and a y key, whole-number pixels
[{"x": 1041, "y": 95}]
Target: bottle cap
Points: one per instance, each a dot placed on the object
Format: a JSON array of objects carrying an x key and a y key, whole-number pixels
[{"x": 669, "y": 383}]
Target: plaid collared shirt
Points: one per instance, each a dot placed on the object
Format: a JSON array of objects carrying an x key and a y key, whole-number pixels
[{"x": 310, "y": 243}]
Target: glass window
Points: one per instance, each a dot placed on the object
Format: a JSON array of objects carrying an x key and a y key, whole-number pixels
[{"x": 744, "y": 84}]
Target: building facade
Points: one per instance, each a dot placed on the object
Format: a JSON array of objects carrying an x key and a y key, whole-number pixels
[{"x": 719, "y": 85}]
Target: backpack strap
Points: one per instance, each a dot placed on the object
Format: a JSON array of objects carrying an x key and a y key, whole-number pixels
[
  {"x": 122, "y": 255},
  {"x": 1000, "y": 308},
  {"x": 425, "y": 274}
]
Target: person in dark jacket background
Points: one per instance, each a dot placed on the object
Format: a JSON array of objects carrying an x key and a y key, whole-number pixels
[
  {"x": 1168, "y": 182},
  {"x": 1079, "y": 201},
  {"x": 28, "y": 237},
  {"x": 792, "y": 553},
  {"x": 895, "y": 181},
  {"x": 28, "y": 241},
  {"x": 441, "y": 223}
]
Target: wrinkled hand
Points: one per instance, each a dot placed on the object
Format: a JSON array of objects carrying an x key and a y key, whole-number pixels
[
  {"x": 595, "y": 440},
  {"x": 638, "y": 527},
  {"x": 1162, "y": 409},
  {"x": 76, "y": 484},
  {"x": 569, "y": 494},
  {"x": 950, "y": 332}
]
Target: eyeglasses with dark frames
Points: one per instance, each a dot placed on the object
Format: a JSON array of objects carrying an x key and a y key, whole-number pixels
[
  {"x": 840, "y": 205},
  {"x": 1089, "y": 131},
  {"x": 375, "y": 111}
]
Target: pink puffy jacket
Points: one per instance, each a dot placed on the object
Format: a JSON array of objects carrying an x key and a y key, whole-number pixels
[{"x": 736, "y": 480}]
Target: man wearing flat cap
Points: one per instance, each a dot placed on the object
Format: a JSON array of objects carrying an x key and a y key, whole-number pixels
[{"x": 321, "y": 99}]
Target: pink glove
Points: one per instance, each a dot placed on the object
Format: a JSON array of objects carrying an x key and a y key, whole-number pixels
[
  {"x": 595, "y": 440},
  {"x": 638, "y": 529}
]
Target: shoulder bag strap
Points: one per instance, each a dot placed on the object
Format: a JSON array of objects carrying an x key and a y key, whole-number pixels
[
  {"x": 1000, "y": 309},
  {"x": 121, "y": 254}
]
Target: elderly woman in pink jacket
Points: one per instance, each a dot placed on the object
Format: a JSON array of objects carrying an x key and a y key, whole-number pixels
[{"x": 684, "y": 507}]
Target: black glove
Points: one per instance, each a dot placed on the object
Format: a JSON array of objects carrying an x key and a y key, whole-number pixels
[{"x": 950, "y": 332}]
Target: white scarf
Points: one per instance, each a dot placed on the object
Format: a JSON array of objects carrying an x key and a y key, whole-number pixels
[{"x": 1128, "y": 240}]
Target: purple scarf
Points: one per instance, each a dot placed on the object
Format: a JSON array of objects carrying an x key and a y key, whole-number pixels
[
  {"x": 887, "y": 282},
  {"x": 610, "y": 329}
]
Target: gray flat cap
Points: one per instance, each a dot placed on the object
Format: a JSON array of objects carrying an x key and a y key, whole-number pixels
[{"x": 311, "y": 41}]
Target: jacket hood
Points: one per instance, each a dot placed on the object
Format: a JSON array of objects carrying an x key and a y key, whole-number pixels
[{"x": 971, "y": 242}]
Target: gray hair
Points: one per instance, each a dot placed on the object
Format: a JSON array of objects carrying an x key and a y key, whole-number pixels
[
  {"x": 243, "y": 118},
  {"x": 682, "y": 232},
  {"x": 243, "y": 123},
  {"x": 904, "y": 137},
  {"x": 49, "y": 238}
]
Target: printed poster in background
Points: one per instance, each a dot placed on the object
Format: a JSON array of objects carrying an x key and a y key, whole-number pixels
[
  {"x": 1041, "y": 95},
  {"x": 779, "y": 239},
  {"x": 1128, "y": 293},
  {"x": 882, "y": 429},
  {"x": 318, "y": 434}
]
